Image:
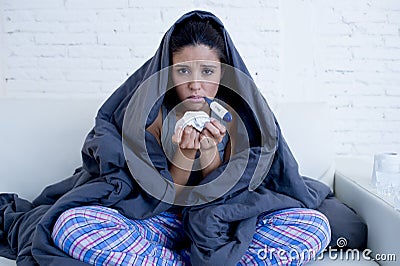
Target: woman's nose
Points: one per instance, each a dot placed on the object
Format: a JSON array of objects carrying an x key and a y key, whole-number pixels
[{"x": 195, "y": 85}]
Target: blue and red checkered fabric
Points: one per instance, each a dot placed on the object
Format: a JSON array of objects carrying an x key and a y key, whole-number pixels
[{"x": 101, "y": 236}]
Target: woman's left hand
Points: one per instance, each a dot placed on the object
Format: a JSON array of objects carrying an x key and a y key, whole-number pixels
[{"x": 212, "y": 134}]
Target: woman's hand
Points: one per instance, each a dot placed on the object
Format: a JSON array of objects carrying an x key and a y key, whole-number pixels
[
  {"x": 212, "y": 134},
  {"x": 190, "y": 139},
  {"x": 187, "y": 139}
]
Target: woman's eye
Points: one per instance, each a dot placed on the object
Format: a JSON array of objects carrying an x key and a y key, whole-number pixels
[
  {"x": 208, "y": 72},
  {"x": 183, "y": 71}
]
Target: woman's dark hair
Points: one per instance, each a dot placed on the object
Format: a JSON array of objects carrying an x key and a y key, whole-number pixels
[{"x": 198, "y": 32}]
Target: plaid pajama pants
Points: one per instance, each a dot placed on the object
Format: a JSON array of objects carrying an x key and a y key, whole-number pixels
[{"x": 101, "y": 236}]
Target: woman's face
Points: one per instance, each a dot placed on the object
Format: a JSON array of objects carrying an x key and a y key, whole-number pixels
[{"x": 196, "y": 72}]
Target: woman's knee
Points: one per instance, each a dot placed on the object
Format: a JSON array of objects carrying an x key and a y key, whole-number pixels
[
  {"x": 314, "y": 225},
  {"x": 318, "y": 225},
  {"x": 72, "y": 219},
  {"x": 77, "y": 214},
  {"x": 321, "y": 222},
  {"x": 67, "y": 220}
]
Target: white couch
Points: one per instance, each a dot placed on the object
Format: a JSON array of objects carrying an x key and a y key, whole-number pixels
[{"x": 41, "y": 140}]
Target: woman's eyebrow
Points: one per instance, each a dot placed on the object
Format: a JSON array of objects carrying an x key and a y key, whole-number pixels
[
  {"x": 202, "y": 65},
  {"x": 180, "y": 65}
]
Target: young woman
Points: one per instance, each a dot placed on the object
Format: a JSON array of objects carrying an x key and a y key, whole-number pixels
[{"x": 287, "y": 233}]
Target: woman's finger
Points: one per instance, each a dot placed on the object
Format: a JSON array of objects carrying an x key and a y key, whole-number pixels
[
  {"x": 190, "y": 138},
  {"x": 176, "y": 138},
  {"x": 185, "y": 138},
  {"x": 215, "y": 127},
  {"x": 219, "y": 126},
  {"x": 214, "y": 131},
  {"x": 197, "y": 140}
]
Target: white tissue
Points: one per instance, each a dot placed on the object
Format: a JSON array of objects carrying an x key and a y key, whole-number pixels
[{"x": 196, "y": 119}]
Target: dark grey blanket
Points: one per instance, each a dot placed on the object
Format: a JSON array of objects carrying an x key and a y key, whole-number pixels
[{"x": 221, "y": 228}]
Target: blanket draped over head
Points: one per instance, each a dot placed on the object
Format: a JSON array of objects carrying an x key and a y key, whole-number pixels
[{"x": 220, "y": 229}]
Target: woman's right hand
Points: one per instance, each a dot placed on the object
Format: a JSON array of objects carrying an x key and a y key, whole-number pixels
[
  {"x": 188, "y": 142},
  {"x": 187, "y": 139}
]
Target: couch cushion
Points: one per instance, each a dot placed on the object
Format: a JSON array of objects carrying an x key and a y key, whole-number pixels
[
  {"x": 41, "y": 141},
  {"x": 308, "y": 132}
]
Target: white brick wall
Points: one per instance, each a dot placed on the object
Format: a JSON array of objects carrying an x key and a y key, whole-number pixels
[
  {"x": 79, "y": 47},
  {"x": 360, "y": 67},
  {"x": 344, "y": 52}
]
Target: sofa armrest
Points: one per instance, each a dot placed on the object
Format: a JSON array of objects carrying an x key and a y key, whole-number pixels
[{"x": 353, "y": 187}]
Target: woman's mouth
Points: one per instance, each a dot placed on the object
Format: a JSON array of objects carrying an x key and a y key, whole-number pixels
[{"x": 195, "y": 98}]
